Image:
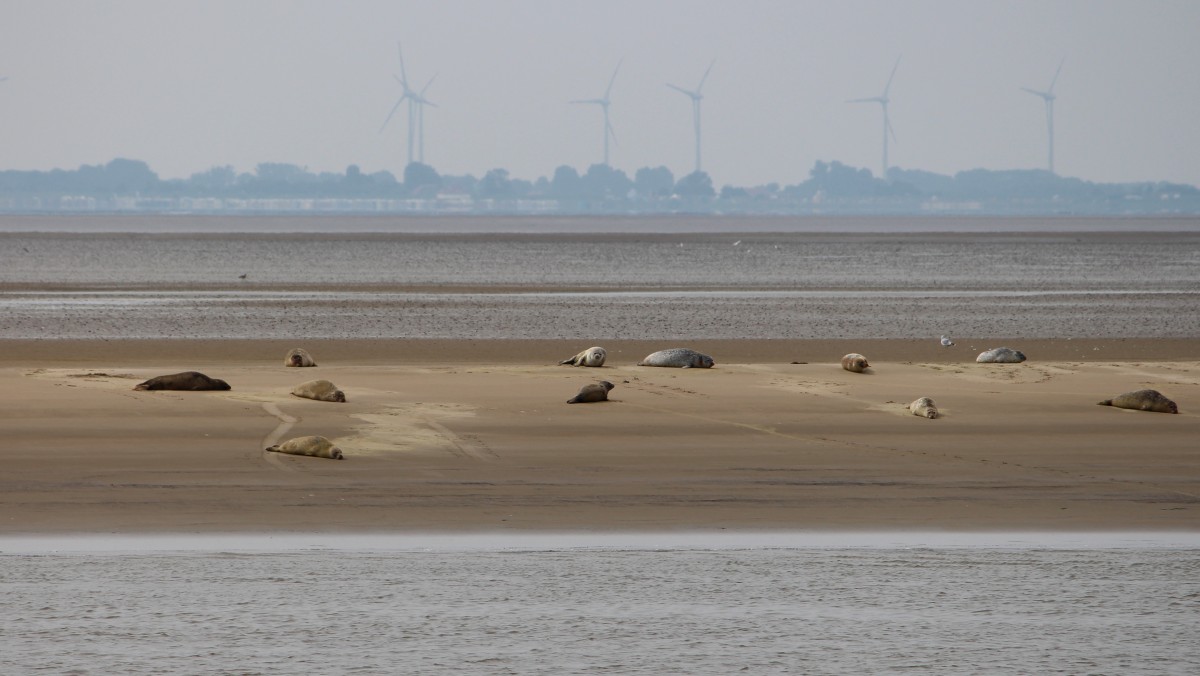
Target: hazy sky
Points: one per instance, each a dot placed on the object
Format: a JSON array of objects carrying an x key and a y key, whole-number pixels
[{"x": 189, "y": 85}]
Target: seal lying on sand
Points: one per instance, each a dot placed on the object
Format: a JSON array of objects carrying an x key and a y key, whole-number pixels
[
  {"x": 317, "y": 447},
  {"x": 678, "y": 357},
  {"x": 1142, "y": 400},
  {"x": 298, "y": 357},
  {"x": 593, "y": 356},
  {"x": 321, "y": 390},
  {"x": 1001, "y": 355},
  {"x": 590, "y": 393},
  {"x": 924, "y": 407},
  {"x": 188, "y": 380},
  {"x": 855, "y": 363}
]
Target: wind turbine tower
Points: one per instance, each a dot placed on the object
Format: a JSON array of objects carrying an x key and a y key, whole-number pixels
[
  {"x": 695, "y": 96},
  {"x": 603, "y": 103},
  {"x": 1048, "y": 97},
  {"x": 882, "y": 100},
  {"x": 416, "y": 110}
]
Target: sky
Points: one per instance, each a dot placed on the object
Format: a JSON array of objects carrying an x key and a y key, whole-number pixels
[{"x": 189, "y": 85}]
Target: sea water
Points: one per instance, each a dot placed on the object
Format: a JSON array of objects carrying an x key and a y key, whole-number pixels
[
  {"x": 598, "y": 285},
  {"x": 594, "y": 604}
]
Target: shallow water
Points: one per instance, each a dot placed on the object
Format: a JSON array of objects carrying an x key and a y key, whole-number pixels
[
  {"x": 598, "y": 286},
  {"x": 763, "y": 604}
]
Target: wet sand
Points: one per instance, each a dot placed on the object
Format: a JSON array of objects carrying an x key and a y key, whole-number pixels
[{"x": 463, "y": 435}]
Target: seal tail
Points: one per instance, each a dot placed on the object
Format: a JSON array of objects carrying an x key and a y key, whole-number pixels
[
  {"x": 570, "y": 361},
  {"x": 1106, "y": 402}
]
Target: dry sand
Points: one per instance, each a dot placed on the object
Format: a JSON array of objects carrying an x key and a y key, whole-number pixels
[{"x": 476, "y": 435}]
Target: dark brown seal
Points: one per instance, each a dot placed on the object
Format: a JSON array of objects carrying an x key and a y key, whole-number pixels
[
  {"x": 590, "y": 393},
  {"x": 188, "y": 380},
  {"x": 1142, "y": 400}
]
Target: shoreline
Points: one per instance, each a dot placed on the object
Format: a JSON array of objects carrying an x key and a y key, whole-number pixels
[{"x": 398, "y": 351}]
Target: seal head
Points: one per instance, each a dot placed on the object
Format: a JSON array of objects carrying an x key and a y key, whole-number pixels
[{"x": 298, "y": 356}]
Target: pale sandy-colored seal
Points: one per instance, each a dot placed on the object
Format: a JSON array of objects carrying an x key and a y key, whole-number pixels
[
  {"x": 188, "y": 380},
  {"x": 317, "y": 447},
  {"x": 593, "y": 356},
  {"x": 855, "y": 363},
  {"x": 1142, "y": 400},
  {"x": 923, "y": 407},
  {"x": 298, "y": 356},
  {"x": 321, "y": 390},
  {"x": 1001, "y": 355},
  {"x": 678, "y": 357},
  {"x": 590, "y": 393}
]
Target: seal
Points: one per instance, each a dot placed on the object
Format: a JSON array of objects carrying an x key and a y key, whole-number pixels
[
  {"x": 1142, "y": 400},
  {"x": 593, "y": 356},
  {"x": 316, "y": 447},
  {"x": 678, "y": 357},
  {"x": 188, "y": 380},
  {"x": 924, "y": 408},
  {"x": 298, "y": 357},
  {"x": 591, "y": 393},
  {"x": 321, "y": 390},
  {"x": 855, "y": 363},
  {"x": 1001, "y": 355}
]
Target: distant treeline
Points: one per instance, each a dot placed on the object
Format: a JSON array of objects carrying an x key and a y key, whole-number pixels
[{"x": 830, "y": 187}]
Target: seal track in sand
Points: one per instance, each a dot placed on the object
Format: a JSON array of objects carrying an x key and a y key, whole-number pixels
[{"x": 285, "y": 423}]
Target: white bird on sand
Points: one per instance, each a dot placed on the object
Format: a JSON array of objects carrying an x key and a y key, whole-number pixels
[{"x": 946, "y": 342}]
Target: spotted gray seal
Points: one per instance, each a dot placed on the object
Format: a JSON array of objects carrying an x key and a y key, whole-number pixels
[
  {"x": 591, "y": 393},
  {"x": 1001, "y": 355},
  {"x": 188, "y": 380},
  {"x": 320, "y": 390},
  {"x": 855, "y": 363},
  {"x": 314, "y": 446},
  {"x": 924, "y": 408},
  {"x": 1142, "y": 400},
  {"x": 593, "y": 356},
  {"x": 298, "y": 356},
  {"x": 678, "y": 357}
]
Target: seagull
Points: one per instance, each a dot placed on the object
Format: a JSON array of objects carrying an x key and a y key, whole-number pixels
[
  {"x": 242, "y": 276},
  {"x": 946, "y": 342}
]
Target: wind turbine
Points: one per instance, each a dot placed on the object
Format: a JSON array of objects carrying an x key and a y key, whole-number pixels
[
  {"x": 603, "y": 103},
  {"x": 882, "y": 100},
  {"x": 1048, "y": 97},
  {"x": 695, "y": 96},
  {"x": 416, "y": 110}
]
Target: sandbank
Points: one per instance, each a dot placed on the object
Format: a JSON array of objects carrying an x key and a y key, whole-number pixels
[{"x": 463, "y": 435}]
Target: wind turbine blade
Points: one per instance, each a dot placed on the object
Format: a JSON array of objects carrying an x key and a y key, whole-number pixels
[
  {"x": 681, "y": 90},
  {"x": 596, "y": 101},
  {"x": 1035, "y": 92},
  {"x": 701, "y": 85},
  {"x": 1052, "y": 82},
  {"x": 873, "y": 99},
  {"x": 400, "y": 51},
  {"x": 394, "y": 109},
  {"x": 422, "y": 93},
  {"x": 889, "y": 82},
  {"x": 613, "y": 79}
]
